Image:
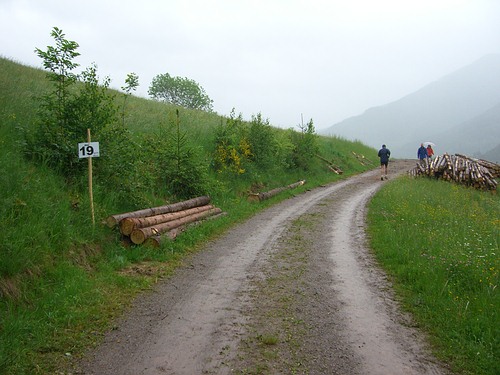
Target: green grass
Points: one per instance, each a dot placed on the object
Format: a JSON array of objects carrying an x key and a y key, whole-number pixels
[{"x": 440, "y": 244}]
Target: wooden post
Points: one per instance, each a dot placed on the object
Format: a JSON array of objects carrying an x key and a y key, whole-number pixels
[{"x": 91, "y": 195}]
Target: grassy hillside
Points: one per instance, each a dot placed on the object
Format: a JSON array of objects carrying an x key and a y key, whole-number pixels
[
  {"x": 63, "y": 281},
  {"x": 439, "y": 244}
]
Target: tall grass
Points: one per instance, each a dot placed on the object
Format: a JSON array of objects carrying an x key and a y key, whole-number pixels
[{"x": 440, "y": 243}]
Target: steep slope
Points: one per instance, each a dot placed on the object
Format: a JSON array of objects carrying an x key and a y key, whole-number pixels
[{"x": 428, "y": 112}]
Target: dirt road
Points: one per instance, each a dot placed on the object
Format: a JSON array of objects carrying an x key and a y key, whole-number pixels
[{"x": 292, "y": 290}]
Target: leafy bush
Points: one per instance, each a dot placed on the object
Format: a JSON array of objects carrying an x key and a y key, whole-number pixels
[
  {"x": 232, "y": 149},
  {"x": 305, "y": 146},
  {"x": 263, "y": 144}
]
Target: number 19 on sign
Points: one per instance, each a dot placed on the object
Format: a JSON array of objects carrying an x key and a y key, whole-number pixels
[{"x": 88, "y": 150}]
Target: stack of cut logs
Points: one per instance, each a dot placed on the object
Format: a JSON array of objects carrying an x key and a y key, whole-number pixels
[
  {"x": 462, "y": 169},
  {"x": 151, "y": 226}
]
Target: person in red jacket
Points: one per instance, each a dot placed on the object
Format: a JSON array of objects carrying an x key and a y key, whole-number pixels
[{"x": 430, "y": 152}]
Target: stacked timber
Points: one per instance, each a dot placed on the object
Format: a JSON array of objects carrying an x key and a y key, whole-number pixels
[
  {"x": 492, "y": 167},
  {"x": 162, "y": 222},
  {"x": 258, "y": 197},
  {"x": 461, "y": 169}
]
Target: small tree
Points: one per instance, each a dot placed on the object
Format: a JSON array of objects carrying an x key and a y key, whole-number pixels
[
  {"x": 186, "y": 176},
  {"x": 131, "y": 84},
  {"x": 305, "y": 145},
  {"x": 179, "y": 91},
  {"x": 68, "y": 111},
  {"x": 262, "y": 142},
  {"x": 49, "y": 141},
  {"x": 93, "y": 107},
  {"x": 59, "y": 62},
  {"x": 177, "y": 165}
]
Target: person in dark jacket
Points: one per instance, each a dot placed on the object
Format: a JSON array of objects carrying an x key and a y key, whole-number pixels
[
  {"x": 384, "y": 155},
  {"x": 422, "y": 153}
]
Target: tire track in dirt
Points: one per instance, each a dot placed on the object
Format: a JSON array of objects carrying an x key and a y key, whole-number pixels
[{"x": 376, "y": 328}]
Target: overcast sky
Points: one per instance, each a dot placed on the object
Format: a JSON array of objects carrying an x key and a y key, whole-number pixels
[{"x": 320, "y": 59}]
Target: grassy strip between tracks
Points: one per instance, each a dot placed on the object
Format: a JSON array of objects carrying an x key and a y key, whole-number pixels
[
  {"x": 276, "y": 328},
  {"x": 440, "y": 244}
]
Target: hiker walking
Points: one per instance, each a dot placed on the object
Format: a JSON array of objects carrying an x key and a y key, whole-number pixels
[
  {"x": 430, "y": 152},
  {"x": 422, "y": 153},
  {"x": 384, "y": 155}
]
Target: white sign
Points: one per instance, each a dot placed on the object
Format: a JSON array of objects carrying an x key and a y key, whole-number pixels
[{"x": 88, "y": 150}]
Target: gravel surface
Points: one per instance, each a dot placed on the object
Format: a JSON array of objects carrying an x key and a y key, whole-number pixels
[{"x": 293, "y": 290}]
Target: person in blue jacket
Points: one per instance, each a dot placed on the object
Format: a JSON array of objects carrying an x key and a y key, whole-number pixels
[
  {"x": 421, "y": 153},
  {"x": 384, "y": 155}
]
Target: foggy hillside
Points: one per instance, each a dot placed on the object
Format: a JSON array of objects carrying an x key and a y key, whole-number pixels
[
  {"x": 492, "y": 155},
  {"x": 475, "y": 137},
  {"x": 457, "y": 112}
]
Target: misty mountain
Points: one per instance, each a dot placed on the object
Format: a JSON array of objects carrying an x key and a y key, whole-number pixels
[
  {"x": 492, "y": 155},
  {"x": 458, "y": 112},
  {"x": 474, "y": 137}
]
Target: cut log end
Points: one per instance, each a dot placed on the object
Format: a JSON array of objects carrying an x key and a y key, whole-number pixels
[
  {"x": 137, "y": 236},
  {"x": 253, "y": 197},
  {"x": 111, "y": 222},
  {"x": 127, "y": 226},
  {"x": 154, "y": 242}
]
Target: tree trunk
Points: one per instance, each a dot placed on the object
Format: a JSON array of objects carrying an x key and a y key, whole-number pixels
[
  {"x": 113, "y": 220},
  {"x": 156, "y": 241},
  {"x": 271, "y": 193},
  {"x": 139, "y": 235},
  {"x": 128, "y": 224}
]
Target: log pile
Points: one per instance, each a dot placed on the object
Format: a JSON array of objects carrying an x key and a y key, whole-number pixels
[
  {"x": 492, "y": 167},
  {"x": 154, "y": 225},
  {"x": 461, "y": 169},
  {"x": 258, "y": 197}
]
